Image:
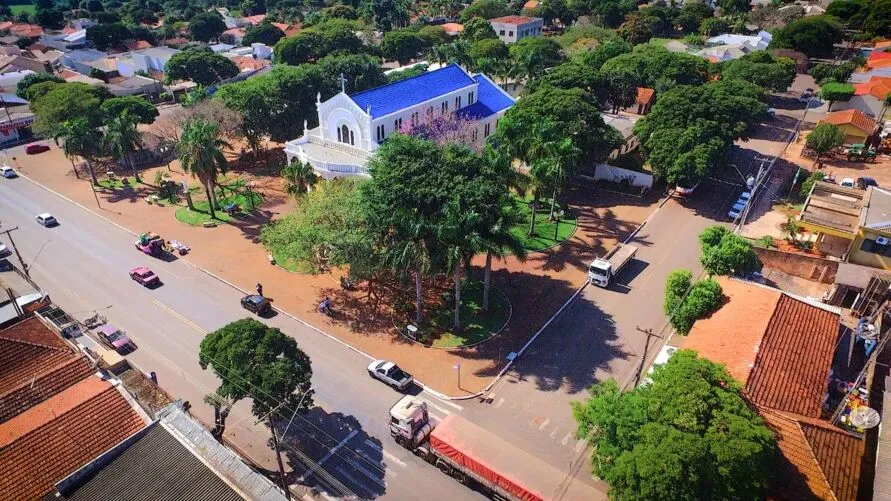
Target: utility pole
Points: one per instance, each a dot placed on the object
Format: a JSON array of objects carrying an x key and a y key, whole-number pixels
[
  {"x": 643, "y": 358},
  {"x": 16, "y": 249},
  {"x": 278, "y": 457}
]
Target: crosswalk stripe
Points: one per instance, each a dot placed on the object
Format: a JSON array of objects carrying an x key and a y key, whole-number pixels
[
  {"x": 565, "y": 440},
  {"x": 500, "y": 402},
  {"x": 372, "y": 444},
  {"x": 544, "y": 424},
  {"x": 394, "y": 459},
  {"x": 440, "y": 409}
]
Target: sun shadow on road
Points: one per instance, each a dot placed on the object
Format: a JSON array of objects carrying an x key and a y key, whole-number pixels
[{"x": 351, "y": 460}]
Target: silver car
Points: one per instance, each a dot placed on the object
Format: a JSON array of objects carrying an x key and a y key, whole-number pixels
[{"x": 390, "y": 373}]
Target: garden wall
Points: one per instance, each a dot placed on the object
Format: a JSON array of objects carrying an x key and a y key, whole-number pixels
[
  {"x": 618, "y": 174},
  {"x": 808, "y": 267}
]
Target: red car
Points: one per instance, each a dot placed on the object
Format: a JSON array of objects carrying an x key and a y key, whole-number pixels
[
  {"x": 145, "y": 276},
  {"x": 34, "y": 149}
]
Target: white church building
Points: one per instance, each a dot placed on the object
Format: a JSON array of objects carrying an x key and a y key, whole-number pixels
[{"x": 352, "y": 127}]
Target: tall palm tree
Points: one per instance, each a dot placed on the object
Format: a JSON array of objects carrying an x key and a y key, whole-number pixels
[
  {"x": 552, "y": 158},
  {"x": 459, "y": 238},
  {"x": 80, "y": 139},
  {"x": 498, "y": 241},
  {"x": 123, "y": 139},
  {"x": 201, "y": 155},
  {"x": 299, "y": 178},
  {"x": 410, "y": 254}
]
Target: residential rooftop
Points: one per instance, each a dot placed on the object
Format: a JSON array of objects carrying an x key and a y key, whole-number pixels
[
  {"x": 518, "y": 20},
  {"x": 876, "y": 212},
  {"x": 832, "y": 206}
]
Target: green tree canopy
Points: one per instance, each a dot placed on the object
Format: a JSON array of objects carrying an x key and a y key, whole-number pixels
[
  {"x": 21, "y": 88},
  {"x": 825, "y": 138},
  {"x": 259, "y": 362},
  {"x": 636, "y": 29},
  {"x": 487, "y": 49},
  {"x": 687, "y": 301},
  {"x": 657, "y": 67},
  {"x": 533, "y": 55},
  {"x": 836, "y": 91},
  {"x": 137, "y": 107},
  {"x": 774, "y": 74},
  {"x": 105, "y": 36},
  {"x": 200, "y": 65},
  {"x": 256, "y": 100},
  {"x": 878, "y": 21},
  {"x": 726, "y": 253},
  {"x": 265, "y": 33},
  {"x": 433, "y": 35},
  {"x": 824, "y": 72},
  {"x": 814, "y": 35},
  {"x": 402, "y": 45},
  {"x": 206, "y": 26},
  {"x": 335, "y": 35},
  {"x": 361, "y": 71},
  {"x": 66, "y": 102},
  {"x": 603, "y": 52},
  {"x": 477, "y": 29},
  {"x": 388, "y": 14},
  {"x": 486, "y": 9},
  {"x": 688, "y": 435},
  {"x": 572, "y": 75}
]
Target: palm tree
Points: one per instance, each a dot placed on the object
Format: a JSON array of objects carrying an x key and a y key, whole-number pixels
[
  {"x": 200, "y": 154},
  {"x": 79, "y": 139},
  {"x": 299, "y": 178},
  {"x": 498, "y": 241},
  {"x": 459, "y": 237},
  {"x": 552, "y": 159},
  {"x": 410, "y": 254},
  {"x": 123, "y": 139}
]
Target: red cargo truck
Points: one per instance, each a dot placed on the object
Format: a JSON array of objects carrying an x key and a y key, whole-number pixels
[{"x": 469, "y": 453}]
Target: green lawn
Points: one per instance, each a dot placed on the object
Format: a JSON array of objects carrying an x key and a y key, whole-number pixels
[
  {"x": 543, "y": 235},
  {"x": 30, "y": 9},
  {"x": 201, "y": 214},
  {"x": 117, "y": 183},
  {"x": 290, "y": 264},
  {"x": 478, "y": 326}
]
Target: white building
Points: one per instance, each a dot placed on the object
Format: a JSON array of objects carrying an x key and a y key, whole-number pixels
[
  {"x": 512, "y": 29},
  {"x": 352, "y": 127},
  {"x": 146, "y": 60}
]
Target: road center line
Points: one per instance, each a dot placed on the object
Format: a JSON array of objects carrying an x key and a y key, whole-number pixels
[{"x": 183, "y": 319}]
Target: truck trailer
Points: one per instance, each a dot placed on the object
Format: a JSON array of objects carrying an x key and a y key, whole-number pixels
[
  {"x": 469, "y": 453},
  {"x": 604, "y": 269}
]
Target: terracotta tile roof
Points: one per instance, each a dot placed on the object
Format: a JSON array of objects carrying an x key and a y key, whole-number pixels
[
  {"x": 732, "y": 336},
  {"x": 645, "y": 95},
  {"x": 853, "y": 117},
  {"x": 176, "y": 41},
  {"x": 27, "y": 349},
  {"x": 877, "y": 87},
  {"x": 513, "y": 19},
  {"x": 282, "y": 26},
  {"x": 819, "y": 461},
  {"x": 255, "y": 20},
  {"x": 138, "y": 45},
  {"x": 453, "y": 28},
  {"x": 878, "y": 55},
  {"x": 883, "y": 44},
  {"x": 53, "y": 439},
  {"x": 795, "y": 357},
  {"x": 246, "y": 63},
  {"x": 43, "y": 386},
  {"x": 531, "y": 4},
  {"x": 235, "y": 32},
  {"x": 26, "y": 30}
]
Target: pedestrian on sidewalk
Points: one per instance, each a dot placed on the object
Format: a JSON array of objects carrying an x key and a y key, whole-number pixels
[{"x": 259, "y": 289}]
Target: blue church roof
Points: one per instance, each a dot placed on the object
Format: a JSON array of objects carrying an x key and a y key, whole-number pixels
[
  {"x": 406, "y": 93},
  {"x": 490, "y": 100}
]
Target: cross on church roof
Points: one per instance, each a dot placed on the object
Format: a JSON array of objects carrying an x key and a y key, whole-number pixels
[{"x": 343, "y": 82}]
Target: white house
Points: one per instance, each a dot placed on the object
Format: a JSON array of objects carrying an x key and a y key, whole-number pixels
[
  {"x": 512, "y": 29},
  {"x": 146, "y": 60},
  {"x": 758, "y": 42},
  {"x": 352, "y": 127}
]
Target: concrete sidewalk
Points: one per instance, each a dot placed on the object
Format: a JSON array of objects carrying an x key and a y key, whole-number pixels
[{"x": 535, "y": 288}]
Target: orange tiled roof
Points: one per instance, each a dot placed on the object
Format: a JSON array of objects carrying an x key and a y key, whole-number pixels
[
  {"x": 794, "y": 359},
  {"x": 531, "y": 4},
  {"x": 236, "y": 32},
  {"x": 819, "y": 460},
  {"x": 453, "y": 27},
  {"x": 878, "y": 55},
  {"x": 54, "y": 438},
  {"x": 853, "y": 117},
  {"x": 138, "y": 44},
  {"x": 25, "y": 30},
  {"x": 43, "y": 385},
  {"x": 28, "y": 348},
  {"x": 877, "y": 87},
  {"x": 513, "y": 19},
  {"x": 255, "y": 20},
  {"x": 883, "y": 44},
  {"x": 645, "y": 95},
  {"x": 282, "y": 26},
  {"x": 246, "y": 63}
]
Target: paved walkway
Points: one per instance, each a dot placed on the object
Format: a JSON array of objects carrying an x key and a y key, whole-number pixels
[{"x": 536, "y": 288}]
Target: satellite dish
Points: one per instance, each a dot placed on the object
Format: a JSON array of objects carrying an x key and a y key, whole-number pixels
[{"x": 865, "y": 417}]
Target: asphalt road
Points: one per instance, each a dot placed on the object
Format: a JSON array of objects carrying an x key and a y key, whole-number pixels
[
  {"x": 600, "y": 335},
  {"x": 83, "y": 265}
]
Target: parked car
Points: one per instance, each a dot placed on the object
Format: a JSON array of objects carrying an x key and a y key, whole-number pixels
[
  {"x": 771, "y": 112},
  {"x": 256, "y": 303},
  {"x": 34, "y": 149},
  {"x": 661, "y": 359},
  {"x": 746, "y": 195},
  {"x": 847, "y": 182},
  {"x": 4, "y": 251},
  {"x": 8, "y": 172},
  {"x": 390, "y": 373},
  {"x": 145, "y": 276},
  {"x": 685, "y": 190},
  {"x": 46, "y": 219},
  {"x": 865, "y": 182},
  {"x": 115, "y": 338}
]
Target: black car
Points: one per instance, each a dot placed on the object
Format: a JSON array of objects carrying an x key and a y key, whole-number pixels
[
  {"x": 866, "y": 182},
  {"x": 256, "y": 304}
]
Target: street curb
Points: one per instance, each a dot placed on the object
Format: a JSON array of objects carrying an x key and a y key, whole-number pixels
[{"x": 230, "y": 284}]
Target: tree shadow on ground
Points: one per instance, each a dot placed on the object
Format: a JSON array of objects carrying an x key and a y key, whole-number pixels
[
  {"x": 352, "y": 460},
  {"x": 133, "y": 194},
  {"x": 777, "y": 128}
]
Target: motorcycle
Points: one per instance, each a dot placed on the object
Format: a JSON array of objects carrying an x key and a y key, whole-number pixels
[{"x": 95, "y": 321}]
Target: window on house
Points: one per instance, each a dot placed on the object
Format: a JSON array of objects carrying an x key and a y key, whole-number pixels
[
  {"x": 352, "y": 139},
  {"x": 445, "y": 107},
  {"x": 470, "y": 98},
  {"x": 457, "y": 102},
  {"x": 339, "y": 140},
  {"x": 878, "y": 246},
  {"x": 475, "y": 134},
  {"x": 510, "y": 33},
  {"x": 501, "y": 32},
  {"x": 486, "y": 130},
  {"x": 380, "y": 133},
  {"x": 397, "y": 124},
  {"x": 414, "y": 118},
  {"x": 344, "y": 134}
]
